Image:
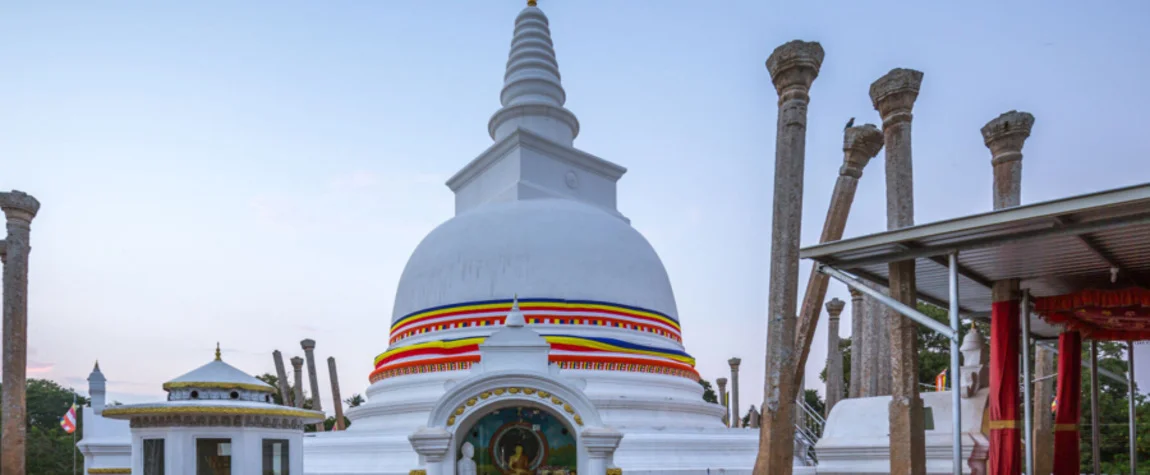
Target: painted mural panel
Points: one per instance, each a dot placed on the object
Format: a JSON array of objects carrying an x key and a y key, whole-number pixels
[{"x": 522, "y": 441}]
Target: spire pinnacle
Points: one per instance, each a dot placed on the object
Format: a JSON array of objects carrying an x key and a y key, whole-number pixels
[
  {"x": 532, "y": 95},
  {"x": 515, "y": 316},
  {"x": 218, "y": 351}
]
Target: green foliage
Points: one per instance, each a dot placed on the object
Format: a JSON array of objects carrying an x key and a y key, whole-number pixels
[
  {"x": 355, "y": 400},
  {"x": 49, "y": 449},
  {"x": 709, "y": 392},
  {"x": 1114, "y": 414},
  {"x": 328, "y": 423}
]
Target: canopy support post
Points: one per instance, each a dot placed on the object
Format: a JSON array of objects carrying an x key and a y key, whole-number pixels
[
  {"x": 955, "y": 394},
  {"x": 899, "y": 307},
  {"x": 1095, "y": 435},
  {"x": 1027, "y": 396},
  {"x": 1133, "y": 410}
]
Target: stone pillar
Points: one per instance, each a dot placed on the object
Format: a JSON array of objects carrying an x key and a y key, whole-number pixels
[
  {"x": 96, "y": 389},
  {"x": 893, "y": 96},
  {"x": 1043, "y": 417},
  {"x": 860, "y": 144},
  {"x": 754, "y": 417},
  {"x": 19, "y": 209},
  {"x": 308, "y": 346},
  {"x": 856, "y": 342},
  {"x": 297, "y": 367},
  {"x": 881, "y": 331},
  {"x": 335, "y": 398},
  {"x": 793, "y": 67},
  {"x": 736, "y": 416},
  {"x": 722, "y": 382},
  {"x": 1004, "y": 136},
  {"x": 282, "y": 380},
  {"x": 834, "y": 386}
]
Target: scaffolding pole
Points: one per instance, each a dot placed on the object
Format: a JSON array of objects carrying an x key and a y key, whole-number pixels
[
  {"x": 1133, "y": 411},
  {"x": 955, "y": 395},
  {"x": 1095, "y": 435},
  {"x": 1027, "y": 411},
  {"x": 899, "y": 307}
]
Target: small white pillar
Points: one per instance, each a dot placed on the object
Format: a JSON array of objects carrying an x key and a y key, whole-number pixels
[
  {"x": 601, "y": 444},
  {"x": 432, "y": 446}
]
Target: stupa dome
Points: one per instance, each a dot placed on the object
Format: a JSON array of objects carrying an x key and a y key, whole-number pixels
[{"x": 537, "y": 248}]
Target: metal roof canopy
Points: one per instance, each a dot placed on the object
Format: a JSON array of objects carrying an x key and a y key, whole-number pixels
[{"x": 1054, "y": 247}]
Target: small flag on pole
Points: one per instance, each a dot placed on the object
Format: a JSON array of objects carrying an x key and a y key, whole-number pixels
[
  {"x": 940, "y": 381},
  {"x": 68, "y": 422},
  {"x": 1054, "y": 405}
]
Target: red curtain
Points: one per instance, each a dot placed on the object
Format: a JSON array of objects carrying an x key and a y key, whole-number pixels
[
  {"x": 1005, "y": 433},
  {"x": 1069, "y": 404}
]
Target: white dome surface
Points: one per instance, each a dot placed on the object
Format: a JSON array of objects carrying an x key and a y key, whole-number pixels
[{"x": 537, "y": 248}]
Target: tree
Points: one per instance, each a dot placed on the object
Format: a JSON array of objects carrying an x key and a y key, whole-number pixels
[
  {"x": 50, "y": 450},
  {"x": 355, "y": 400},
  {"x": 708, "y": 392},
  {"x": 272, "y": 380}
]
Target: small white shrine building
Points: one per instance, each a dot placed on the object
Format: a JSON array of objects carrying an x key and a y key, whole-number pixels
[{"x": 217, "y": 418}]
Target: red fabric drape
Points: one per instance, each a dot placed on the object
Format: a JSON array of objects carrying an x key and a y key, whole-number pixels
[
  {"x": 1116, "y": 315},
  {"x": 1005, "y": 432},
  {"x": 1069, "y": 407}
]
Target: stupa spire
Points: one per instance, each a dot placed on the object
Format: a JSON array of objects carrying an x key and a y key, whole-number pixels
[
  {"x": 515, "y": 316},
  {"x": 532, "y": 95}
]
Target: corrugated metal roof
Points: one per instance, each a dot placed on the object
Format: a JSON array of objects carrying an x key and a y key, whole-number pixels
[{"x": 1054, "y": 247}]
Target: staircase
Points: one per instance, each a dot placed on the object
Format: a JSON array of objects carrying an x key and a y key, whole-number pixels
[{"x": 808, "y": 429}]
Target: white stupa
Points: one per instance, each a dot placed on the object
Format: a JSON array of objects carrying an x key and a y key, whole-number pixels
[{"x": 588, "y": 372}]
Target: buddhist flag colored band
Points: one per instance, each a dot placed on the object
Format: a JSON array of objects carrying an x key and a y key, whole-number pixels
[
  {"x": 940, "y": 381},
  {"x": 68, "y": 422}
]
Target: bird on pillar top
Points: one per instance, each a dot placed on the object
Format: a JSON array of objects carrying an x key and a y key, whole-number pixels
[{"x": 850, "y": 123}]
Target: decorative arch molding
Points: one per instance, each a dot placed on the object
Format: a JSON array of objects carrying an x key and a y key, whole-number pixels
[{"x": 473, "y": 396}]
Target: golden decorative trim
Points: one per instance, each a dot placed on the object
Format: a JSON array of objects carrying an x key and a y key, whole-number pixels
[
  {"x": 109, "y": 470},
  {"x": 546, "y": 396},
  {"x": 417, "y": 472},
  {"x": 227, "y": 410},
  {"x": 209, "y": 385},
  {"x": 1000, "y": 425},
  {"x": 614, "y": 471},
  {"x": 1065, "y": 427}
]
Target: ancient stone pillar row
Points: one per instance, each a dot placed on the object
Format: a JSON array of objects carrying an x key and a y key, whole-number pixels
[
  {"x": 793, "y": 67},
  {"x": 834, "y": 387},
  {"x": 1004, "y": 136},
  {"x": 1043, "y": 417},
  {"x": 736, "y": 416},
  {"x": 308, "y": 346},
  {"x": 860, "y": 144},
  {"x": 893, "y": 96},
  {"x": 722, "y": 382},
  {"x": 19, "y": 209},
  {"x": 297, "y": 367},
  {"x": 282, "y": 380},
  {"x": 856, "y": 342},
  {"x": 335, "y": 397}
]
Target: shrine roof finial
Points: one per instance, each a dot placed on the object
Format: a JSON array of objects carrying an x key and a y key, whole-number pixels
[
  {"x": 218, "y": 352},
  {"x": 531, "y": 3}
]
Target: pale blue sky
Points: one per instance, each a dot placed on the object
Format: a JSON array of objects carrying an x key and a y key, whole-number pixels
[{"x": 258, "y": 172}]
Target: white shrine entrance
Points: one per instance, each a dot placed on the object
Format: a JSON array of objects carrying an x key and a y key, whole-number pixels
[{"x": 515, "y": 414}]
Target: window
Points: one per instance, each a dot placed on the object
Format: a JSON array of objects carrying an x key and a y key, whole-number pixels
[
  {"x": 275, "y": 457},
  {"x": 153, "y": 456},
  {"x": 213, "y": 456}
]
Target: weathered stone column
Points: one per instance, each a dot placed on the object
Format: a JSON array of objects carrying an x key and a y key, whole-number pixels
[
  {"x": 1004, "y": 136},
  {"x": 308, "y": 346},
  {"x": 281, "y": 376},
  {"x": 722, "y": 382},
  {"x": 335, "y": 398},
  {"x": 1043, "y": 417},
  {"x": 881, "y": 331},
  {"x": 736, "y": 416},
  {"x": 297, "y": 367},
  {"x": 793, "y": 67},
  {"x": 856, "y": 342},
  {"x": 893, "y": 96},
  {"x": 834, "y": 386},
  {"x": 860, "y": 144},
  {"x": 19, "y": 209}
]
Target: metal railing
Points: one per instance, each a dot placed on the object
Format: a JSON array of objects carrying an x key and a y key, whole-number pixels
[{"x": 808, "y": 431}]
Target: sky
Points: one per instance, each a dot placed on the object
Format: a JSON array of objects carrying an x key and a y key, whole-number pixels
[{"x": 256, "y": 173}]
